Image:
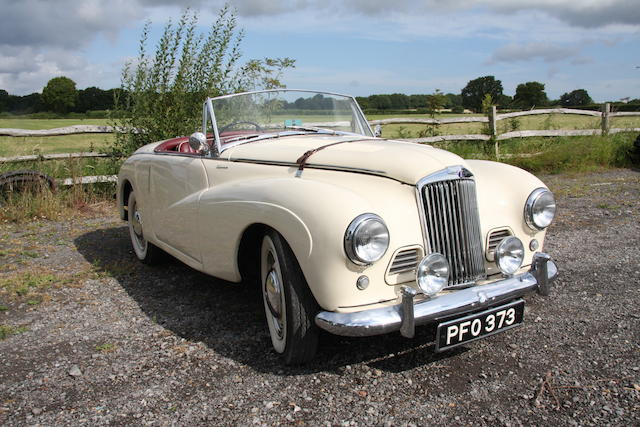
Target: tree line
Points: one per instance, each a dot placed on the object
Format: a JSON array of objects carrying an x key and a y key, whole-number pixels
[
  {"x": 61, "y": 96},
  {"x": 479, "y": 95}
]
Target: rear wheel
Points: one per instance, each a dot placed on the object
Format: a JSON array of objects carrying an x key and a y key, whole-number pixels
[
  {"x": 146, "y": 252},
  {"x": 289, "y": 306}
]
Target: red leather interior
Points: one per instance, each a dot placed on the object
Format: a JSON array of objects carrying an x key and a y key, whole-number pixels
[
  {"x": 176, "y": 145},
  {"x": 184, "y": 147}
]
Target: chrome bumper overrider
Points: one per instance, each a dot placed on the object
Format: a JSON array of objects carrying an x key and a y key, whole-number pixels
[{"x": 405, "y": 316}]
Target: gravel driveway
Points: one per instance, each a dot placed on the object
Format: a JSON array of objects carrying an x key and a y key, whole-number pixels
[{"x": 94, "y": 337}]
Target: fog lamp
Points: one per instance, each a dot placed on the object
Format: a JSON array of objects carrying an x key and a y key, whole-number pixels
[
  {"x": 432, "y": 274},
  {"x": 509, "y": 255}
]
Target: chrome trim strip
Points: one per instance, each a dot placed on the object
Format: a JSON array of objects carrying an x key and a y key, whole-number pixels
[
  {"x": 252, "y": 92},
  {"x": 456, "y": 303},
  {"x": 313, "y": 166}
]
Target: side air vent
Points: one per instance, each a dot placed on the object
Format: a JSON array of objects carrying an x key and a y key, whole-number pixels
[
  {"x": 404, "y": 261},
  {"x": 403, "y": 265},
  {"x": 493, "y": 239}
]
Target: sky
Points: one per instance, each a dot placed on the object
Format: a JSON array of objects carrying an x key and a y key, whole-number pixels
[{"x": 357, "y": 47}]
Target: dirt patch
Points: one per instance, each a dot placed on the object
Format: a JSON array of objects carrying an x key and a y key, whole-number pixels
[{"x": 111, "y": 341}]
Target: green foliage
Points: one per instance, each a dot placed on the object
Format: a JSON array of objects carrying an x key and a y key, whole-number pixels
[
  {"x": 578, "y": 154},
  {"x": 553, "y": 155},
  {"x": 575, "y": 98},
  {"x": 94, "y": 98},
  {"x": 403, "y": 133},
  {"x": 530, "y": 94},
  {"x": 514, "y": 124},
  {"x": 60, "y": 94},
  {"x": 474, "y": 92},
  {"x": 162, "y": 94},
  {"x": 487, "y": 103},
  {"x": 4, "y": 100},
  {"x": 7, "y": 330},
  {"x": 435, "y": 102}
]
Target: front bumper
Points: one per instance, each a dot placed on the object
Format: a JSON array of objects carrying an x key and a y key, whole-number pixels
[{"x": 405, "y": 316}]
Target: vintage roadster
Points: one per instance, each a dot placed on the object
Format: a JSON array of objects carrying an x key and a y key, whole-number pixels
[{"x": 342, "y": 230}]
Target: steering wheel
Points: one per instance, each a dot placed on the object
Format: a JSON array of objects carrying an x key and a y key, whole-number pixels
[{"x": 230, "y": 125}]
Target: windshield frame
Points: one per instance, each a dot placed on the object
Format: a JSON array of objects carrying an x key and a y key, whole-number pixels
[{"x": 208, "y": 115}]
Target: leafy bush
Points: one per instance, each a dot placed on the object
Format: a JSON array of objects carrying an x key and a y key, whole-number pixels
[{"x": 162, "y": 94}]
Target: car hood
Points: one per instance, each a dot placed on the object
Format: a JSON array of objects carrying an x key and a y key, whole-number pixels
[{"x": 403, "y": 161}]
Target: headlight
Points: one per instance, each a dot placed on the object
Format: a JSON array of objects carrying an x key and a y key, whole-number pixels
[
  {"x": 432, "y": 273},
  {"x": 509, "y": 255},
  {"x": 366, "y": 239},
  {"x": 540, "y": 209}
]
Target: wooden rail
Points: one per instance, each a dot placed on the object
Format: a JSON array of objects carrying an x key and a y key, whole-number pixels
[
  {"x": 68, "y": 130},
  {"x": 58, "y": 156}
]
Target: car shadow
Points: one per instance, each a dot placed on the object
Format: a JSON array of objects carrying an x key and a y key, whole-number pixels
[{"x": 229, "y": 318}]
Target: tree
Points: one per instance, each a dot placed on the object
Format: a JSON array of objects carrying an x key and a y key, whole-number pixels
[
  {"x": 530, "y": 94},
  {"x": 4, "y": 100},
  {"x": 453, "y": 101},
  {"x": 435, "y": 102},
  {"x": 575, "y": 98},
  {"x": 60, "y": 94},
  {"x": 162, "y": 94},
  {"x": 504, "y": 101},
  {"x": 92, "y": 99},
  {"x": 474, "y": 92}
]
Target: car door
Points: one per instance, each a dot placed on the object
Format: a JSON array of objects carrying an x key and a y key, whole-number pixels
[{"x": 176, "y": 181}]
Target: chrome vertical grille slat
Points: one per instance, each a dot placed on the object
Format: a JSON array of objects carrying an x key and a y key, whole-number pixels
[{"x": 451, "y": 225}]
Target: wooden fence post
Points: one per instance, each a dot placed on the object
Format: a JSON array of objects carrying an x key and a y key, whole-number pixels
[
  {"x": 606, "y": 110},
  {"x": 493, "y": 129}
]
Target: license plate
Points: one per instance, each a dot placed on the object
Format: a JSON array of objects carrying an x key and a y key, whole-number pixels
[{"x": 479, "y": 325}]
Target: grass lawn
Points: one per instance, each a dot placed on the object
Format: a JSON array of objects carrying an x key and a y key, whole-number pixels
[{"x": 19, "y": 146}]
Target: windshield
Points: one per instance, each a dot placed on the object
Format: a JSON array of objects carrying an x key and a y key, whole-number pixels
[{"x": 242, "y": 117}]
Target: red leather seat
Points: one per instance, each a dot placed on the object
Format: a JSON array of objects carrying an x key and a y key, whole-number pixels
[{"x": 184, "y": 147}]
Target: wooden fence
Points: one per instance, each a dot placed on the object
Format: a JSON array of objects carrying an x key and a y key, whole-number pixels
[{"x": 491, "y": 119}]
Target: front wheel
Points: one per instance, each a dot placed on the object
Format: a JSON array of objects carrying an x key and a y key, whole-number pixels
[
  {"x": 146, "y": 252},
  {"x": 289, "y": 306}
]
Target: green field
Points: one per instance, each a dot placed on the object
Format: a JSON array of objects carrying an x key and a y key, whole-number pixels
[
  {"x": 540, "y": 122},
  {"x": 19, "y": 146},
  {"x": 597, "y": 149}
]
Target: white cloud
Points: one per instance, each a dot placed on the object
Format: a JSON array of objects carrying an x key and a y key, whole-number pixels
[
  {"x": 40, "y": 39},
  {"x": 547, "y": 52}
]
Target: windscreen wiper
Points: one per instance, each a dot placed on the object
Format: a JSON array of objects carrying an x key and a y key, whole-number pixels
[{"x": 314, "y": 129}]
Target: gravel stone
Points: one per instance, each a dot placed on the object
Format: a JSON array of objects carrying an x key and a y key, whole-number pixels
[{"x": 166, "y": 345}]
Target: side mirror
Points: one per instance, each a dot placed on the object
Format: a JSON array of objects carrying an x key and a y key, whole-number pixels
[
  {"x": 377, "y": 132},
  {"x": 198, "y": 142}
]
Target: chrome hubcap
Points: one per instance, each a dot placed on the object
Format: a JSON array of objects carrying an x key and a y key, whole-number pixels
[
  {"x": 273, "y": 297},
  {"x": 273, "y": 292},
  {"x": 137, "y": 223}
]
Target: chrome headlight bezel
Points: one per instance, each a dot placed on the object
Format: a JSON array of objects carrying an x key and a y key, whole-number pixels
[
  {"x": 532, "y": 208},
  {"x": 363, "y": 224}
]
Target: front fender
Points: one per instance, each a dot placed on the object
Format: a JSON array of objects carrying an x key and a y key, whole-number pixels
[
  {"x": 502, "y": 193},
  {"x": 312, "y": 214}
]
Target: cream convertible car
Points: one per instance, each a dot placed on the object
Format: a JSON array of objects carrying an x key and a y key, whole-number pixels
[{"x": 345, "y": 232}]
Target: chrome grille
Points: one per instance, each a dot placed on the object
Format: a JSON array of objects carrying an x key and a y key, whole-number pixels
[
  {"x": 495, "y": 237},
  {"x": 405, "y": 261},
  {"x": 452, "y": 227}
]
